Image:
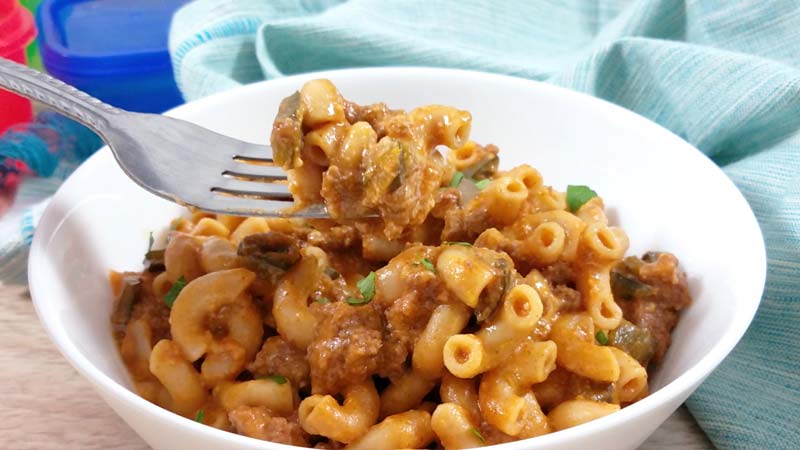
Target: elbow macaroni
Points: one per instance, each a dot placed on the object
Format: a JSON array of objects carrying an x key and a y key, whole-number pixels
[
  {"x": 505, "y": 395},
  {"x": 505, "y": 197},
  {"x": 446, "y": 321},
  {"x": 576, "y": 412},
  {"x": 463, "y": 274},
  {"x": 467, "y": 355},
  {"x": 411, "y": 429},
  {"x": 632, "y": 382},
  {"x": 290, "y": 305},
  {"x": 577, "y": 352},
  {"x": 179, "y": 377},
  {"x": 599, "y": 247},
  {"x": 206, "y": 297},
  {"x": 443, "y": 125},
  {"x": 269, "y": 393},
  {"x": 571, "y": 225},
  {"x": 461, "y": 392},
  {"x": 322, "y": 414},
  {"x": 453, "y": 427},
  {"x": 406, "y": 392}
]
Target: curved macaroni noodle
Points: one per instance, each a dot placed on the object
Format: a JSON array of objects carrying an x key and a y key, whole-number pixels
[
  {"x": 464, "y": 274},
  {"x": 290, "y": 306},
  {"x": 278, "y": 397},
  {"x": 462, "y": 392},
  {"x": 446, "y": 320},
  {"x": 453, "y": 427},
  {"x": 632, "y": 382},
  {"x": 574, "y": 335},
  {"x": 505, "y": 197},
  {"x": 406, "y": 392},
  {"x": 322, "y": 414},
  {"x": 411, "y": 429},
  {"x": 505, "y": 395},
  {"x": 467, "y": 355},
  {"x": 179, "y": 377},
  {"x": 576, "y": 412}
]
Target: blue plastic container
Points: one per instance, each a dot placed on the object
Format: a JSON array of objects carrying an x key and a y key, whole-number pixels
[{"x": 115, "y": 50}]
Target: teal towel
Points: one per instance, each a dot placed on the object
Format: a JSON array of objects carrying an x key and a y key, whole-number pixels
[{"x": 723, "y": 74}]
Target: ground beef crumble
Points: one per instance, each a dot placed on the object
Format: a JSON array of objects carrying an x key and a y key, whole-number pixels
[
  {"x": 654, "y": 304},
  {"x": 258, "y": 422},
  {"x": 345, "y": 347},
  {"x": 278, "y": 357}
]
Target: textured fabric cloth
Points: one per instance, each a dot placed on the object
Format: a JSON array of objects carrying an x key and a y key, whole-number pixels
[
  {"x": 35, "y": 158},
  {"x": 724, "y": 75}
]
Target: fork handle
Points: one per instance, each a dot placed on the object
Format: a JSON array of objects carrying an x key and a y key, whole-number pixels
[{"x": 58, "y": 95}]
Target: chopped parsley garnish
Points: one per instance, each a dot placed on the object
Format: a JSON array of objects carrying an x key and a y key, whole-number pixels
[
  {"x": 428, "y": 264},
  {"x": 463, "y": 244},
  {"x": 280, "y": 379},
  {"x": 323, "y": 300},
  {"x": 174, "y": 225},
  {"x": 456, "y": 180},
  {"x": 601, "y": 337},
  {"x": 482, "y": 183},
  {"x": 176, "y": 289},
  {"x": 366, "y": 286},
  {"x": 477, "y": 434},
  {"x": 578, "y": 195},
  {"x": 200, "y": 416}
]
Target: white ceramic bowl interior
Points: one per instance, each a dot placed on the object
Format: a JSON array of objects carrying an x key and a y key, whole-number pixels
[{"x": 664, "y": 193}]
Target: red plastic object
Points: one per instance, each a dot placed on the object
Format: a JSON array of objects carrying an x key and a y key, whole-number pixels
[{"x": 16, "y": 32}]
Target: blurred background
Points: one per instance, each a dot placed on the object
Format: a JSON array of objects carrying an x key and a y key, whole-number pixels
[{"x": 116, "y": 50}]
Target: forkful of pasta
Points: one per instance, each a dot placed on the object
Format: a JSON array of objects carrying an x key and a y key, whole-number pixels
[{"x": 174, "y": 159}]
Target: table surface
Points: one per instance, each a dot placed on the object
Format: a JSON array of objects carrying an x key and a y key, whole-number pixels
[{"x": 46, "y": 405}]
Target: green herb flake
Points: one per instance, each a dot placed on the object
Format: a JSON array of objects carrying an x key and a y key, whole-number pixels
[
  {"x": 176, "y": 289},
  {"x": 200, "y": 416},
  {"x": 174, "y": 225},
  {"x": 463, "y": 244},
  {"x": 482, "y": 183},
  {"x": 601, "y": 337},
  {"x": 356, "y": 301},
  {"x": 428, "y": 264},
  {"x": 456, "y": 180},
  {"x": 323, "y": 300},
  {"x": 477, "y": 434},
  {"x": 280, "y": 379},
  {"x": 366, "y": 286},
  {"x": 578, "y": 195}
]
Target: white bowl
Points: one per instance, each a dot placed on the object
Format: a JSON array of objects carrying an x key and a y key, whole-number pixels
[{"x": 663, "y": 192}]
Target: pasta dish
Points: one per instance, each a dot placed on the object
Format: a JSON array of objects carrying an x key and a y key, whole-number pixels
[{"x": 447, "y": 303}]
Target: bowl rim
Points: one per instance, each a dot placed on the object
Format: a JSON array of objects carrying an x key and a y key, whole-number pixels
[{"x": 686, "y": 381}]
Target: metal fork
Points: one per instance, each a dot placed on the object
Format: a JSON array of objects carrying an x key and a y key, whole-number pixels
[{"x": 171, "y": 158}]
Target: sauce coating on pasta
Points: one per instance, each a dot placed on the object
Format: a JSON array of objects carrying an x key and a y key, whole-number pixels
[{"x": 473, "y": 306}]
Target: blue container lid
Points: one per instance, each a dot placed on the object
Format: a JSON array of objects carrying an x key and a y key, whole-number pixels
[{"x": 103, "y": 37}]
